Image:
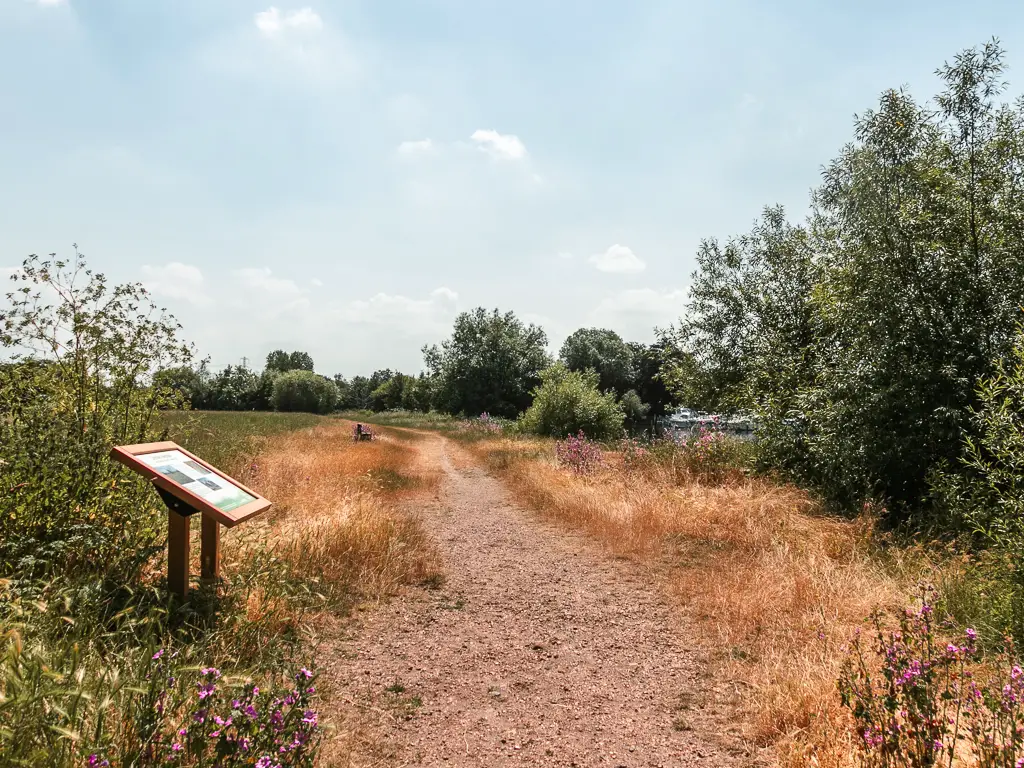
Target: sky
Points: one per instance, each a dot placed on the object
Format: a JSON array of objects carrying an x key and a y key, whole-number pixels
[{"x": 345, "y": 176}]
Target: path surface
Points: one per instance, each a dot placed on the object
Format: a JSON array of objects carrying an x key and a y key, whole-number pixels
[{"x": 539, "y": 649}]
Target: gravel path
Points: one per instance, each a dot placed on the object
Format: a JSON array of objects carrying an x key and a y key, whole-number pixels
[{"x": 539, "y": 649}]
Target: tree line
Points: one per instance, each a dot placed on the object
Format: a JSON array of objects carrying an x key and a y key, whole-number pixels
[{"x": 492, "y": 363}]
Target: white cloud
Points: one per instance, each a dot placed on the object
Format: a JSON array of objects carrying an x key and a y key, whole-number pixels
[
  {"x": 259, "y": 310},
  {"x": 273, "y": 23},
  {"x": 499, "y": 145},
  {"x": 618, "y": 259},
  {"x": 262, "y": 279},
  {"x": 316, "y": 283},
  {"x": 176, "y": 281},
  {"x": 564, "y": 255},
  {"x": 636, "y": 313},
  {"x": 404, "y": 313},
  {"x": 285, "y": 48},
  {"x": 419, "y": 147},
  {"x": 446, "y": 295},
  {"x": 51, "y": 3}
]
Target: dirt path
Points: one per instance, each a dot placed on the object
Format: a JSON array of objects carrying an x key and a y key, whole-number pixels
[{"x": 539, "y": 649}]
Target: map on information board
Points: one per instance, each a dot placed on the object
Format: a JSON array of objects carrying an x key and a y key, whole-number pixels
[{"x": 197, "y": 479}]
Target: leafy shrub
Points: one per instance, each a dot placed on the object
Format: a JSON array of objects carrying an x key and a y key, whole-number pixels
[
  {"x": 77, "y": 383},
  {"x": 236, "y": 389},
  {"x": 984, "y": 495},
  {"x": 388, "y": 396},
  {"x": 80, "y": 606},
  {"x": 918, "y": 702},
  {"x": 578, "y": 454},
  {"x": 634, "y": 409},
  {"x": 710, "y": 454},
  {"x": 568, "y": 402},
  {"x": 872, "y": 321},
  {"x": 302, "y": 390}
]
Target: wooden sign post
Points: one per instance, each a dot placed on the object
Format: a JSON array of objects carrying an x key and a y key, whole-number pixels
[{"x": 188, "y": 485}]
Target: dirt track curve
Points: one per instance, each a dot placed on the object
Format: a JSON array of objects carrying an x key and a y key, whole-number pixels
[{"x": 539, "y": 649}]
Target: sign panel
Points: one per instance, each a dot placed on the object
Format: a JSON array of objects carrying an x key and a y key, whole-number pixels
[
  {"x": 193, "y": 481},
  {"x": 203, "y": 482}
]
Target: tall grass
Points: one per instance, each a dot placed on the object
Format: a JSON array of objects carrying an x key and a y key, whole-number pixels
[
  {"x": 335, "y": 516},
  {"x": 228, "y": 439},
  {"x": 776, "y": 587}
]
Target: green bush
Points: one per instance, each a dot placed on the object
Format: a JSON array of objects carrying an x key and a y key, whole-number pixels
[
  {"x": 568, "y": 402},
  {"x": 634, "y": 409},
  {"x": 984, "y": 496},
  {"x": 76, "y": 384},
  {"x": 302, "y": 390},
  {"x": 398, "y": 392}
]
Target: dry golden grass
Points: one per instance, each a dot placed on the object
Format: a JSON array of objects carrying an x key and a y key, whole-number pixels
[
  {"x": 776, "y": 587},
  {"x": 335, "y": 515}
]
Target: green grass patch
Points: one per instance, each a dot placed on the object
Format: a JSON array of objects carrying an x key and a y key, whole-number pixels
[
  {"x": 409, "y": 419},
  {"x": 228, "y": 438}
]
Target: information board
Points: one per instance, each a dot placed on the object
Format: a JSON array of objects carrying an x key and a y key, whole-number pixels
[
  {"x": 193, "y": 476},
  {"x": 190, "y": 479}
]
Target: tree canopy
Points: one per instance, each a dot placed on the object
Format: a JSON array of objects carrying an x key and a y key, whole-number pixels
[
  {"x": 603, "y": 351},
  {"x": 301, "y": 390},
  {"x": 491, "y": 363},
  {"x": 282, "y": 361}
]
